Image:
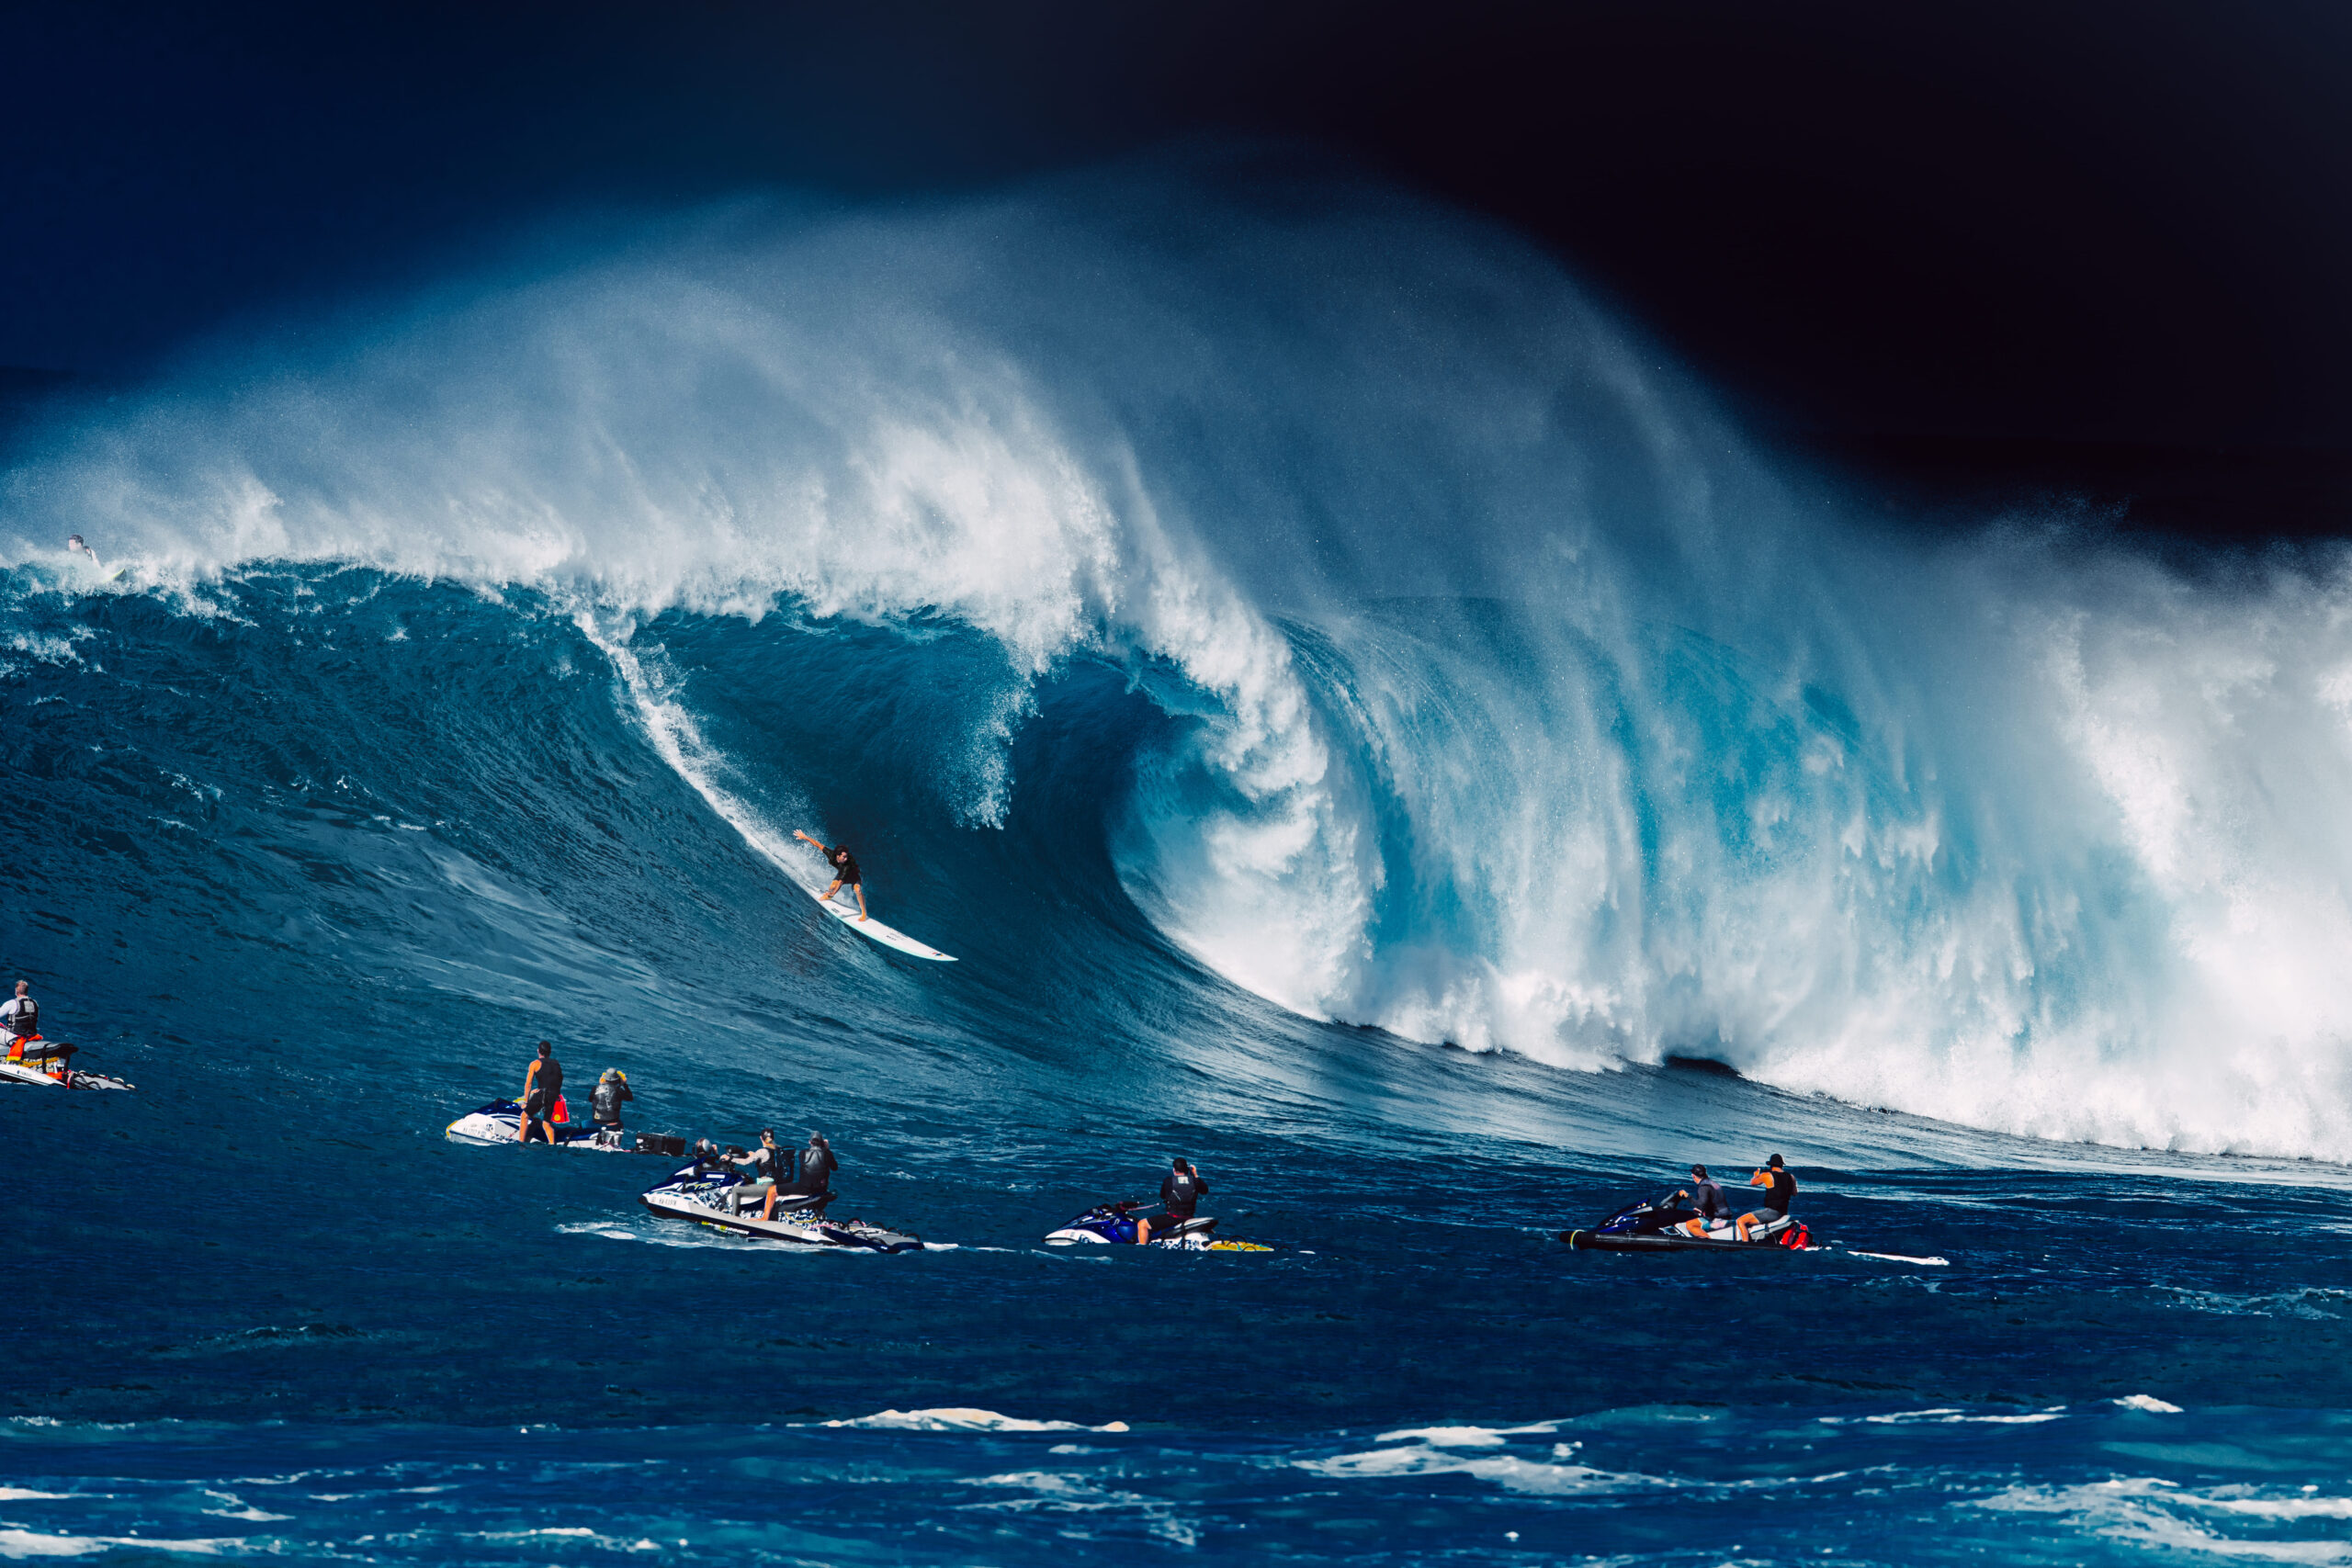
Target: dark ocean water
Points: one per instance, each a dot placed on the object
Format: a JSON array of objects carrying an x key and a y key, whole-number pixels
[{"x": 401, "y": 744}]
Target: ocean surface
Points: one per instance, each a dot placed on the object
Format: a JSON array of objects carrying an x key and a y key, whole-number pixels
[{"x": 1361, "y": 720}]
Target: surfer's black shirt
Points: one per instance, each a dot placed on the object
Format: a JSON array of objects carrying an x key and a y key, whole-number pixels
[{"x": 845, "y": 869}]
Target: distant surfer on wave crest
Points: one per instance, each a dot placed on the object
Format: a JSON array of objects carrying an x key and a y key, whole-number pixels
[{"x": 845, "y": 866}]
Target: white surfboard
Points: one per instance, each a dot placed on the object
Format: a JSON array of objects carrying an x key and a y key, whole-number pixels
[{"x": 846, "y": 913}]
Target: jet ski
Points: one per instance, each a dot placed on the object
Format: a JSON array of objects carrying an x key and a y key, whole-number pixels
[
  {"x": 709, "y": 1194},
  {"x": 40, "y": 1062},
  {"x": 1110, "y": 1223},
  {"x": 1643, "y": 1227},
  {"x": 500, "y": 1121}
]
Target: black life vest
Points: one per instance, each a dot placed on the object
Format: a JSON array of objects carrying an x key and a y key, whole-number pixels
[
  {"x": 1180, "y": 1192},
  {"x": 27, "y": 1018}
]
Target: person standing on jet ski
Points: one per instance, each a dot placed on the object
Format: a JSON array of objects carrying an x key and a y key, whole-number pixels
[
  {"x": 542, "y": 1081},
  {"x": 1180, "y": 1192},
  {"x": 1707, "y": 1198},
  {"x": 1783, "y": 1185},
  {"x": 612, "y": 1093}
]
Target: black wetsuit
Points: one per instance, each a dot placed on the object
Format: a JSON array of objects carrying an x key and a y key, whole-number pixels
[
  {"x": 544, "y": 1088},
  {"x": 1783, "y": 1188},
  {"x": 845, "y": 869},
  {"x": 1180, "y": 1192},
  {"x": 1709, "y": 1199},
  {"x": 817, "y": 1168}
]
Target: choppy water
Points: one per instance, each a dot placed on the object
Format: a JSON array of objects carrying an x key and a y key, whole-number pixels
[{"x": 1274, "y": 644}]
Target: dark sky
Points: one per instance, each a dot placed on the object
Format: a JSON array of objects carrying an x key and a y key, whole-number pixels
[{"x": 1916, "y": 228}]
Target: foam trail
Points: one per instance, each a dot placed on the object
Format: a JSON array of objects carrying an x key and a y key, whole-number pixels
[{"x": 678, "y": 740}]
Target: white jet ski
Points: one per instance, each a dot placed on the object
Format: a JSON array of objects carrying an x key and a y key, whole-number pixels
[
  {"x": 500, "y": 1121},
  {"x": 724, "y": 1199},
  {"x": 51, "y": 1066}
]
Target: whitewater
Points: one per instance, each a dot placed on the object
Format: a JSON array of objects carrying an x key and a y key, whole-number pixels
[{"x": 1521, "y": 705}]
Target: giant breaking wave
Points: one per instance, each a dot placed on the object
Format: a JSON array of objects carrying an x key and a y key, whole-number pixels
[{"x": 1514, "y": 702}]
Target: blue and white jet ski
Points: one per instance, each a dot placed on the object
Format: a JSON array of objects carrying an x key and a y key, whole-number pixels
[
  {"x": 1647, "y": 1226},
  {"x": 500, "y": 1121},
  {"x": 709, "y": 1194}
]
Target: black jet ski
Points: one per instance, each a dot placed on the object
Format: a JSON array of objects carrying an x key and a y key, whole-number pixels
[
  {"x": 500, "y": 1121},
  {"x": 708, "y": 1193},
  {"x": 1643, "y": 1228},
  {"x": 50, "y": 1065}
]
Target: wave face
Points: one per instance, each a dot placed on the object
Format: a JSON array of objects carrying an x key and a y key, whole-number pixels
[{"x": 1200, "y": 580}]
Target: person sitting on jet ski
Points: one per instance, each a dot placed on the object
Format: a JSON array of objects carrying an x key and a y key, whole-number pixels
[
  {"x": 766, "y": 1163},
  {"x": 1783, "y": 1185},
  {"x": 1707, "y": 1198},
  {"x": 1180, "y": 1192},
  {"x": 817, "y": 1166},
  {"x": 612, "y": 1093}
]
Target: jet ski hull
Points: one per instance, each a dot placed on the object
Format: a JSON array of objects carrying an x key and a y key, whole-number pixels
[
  {"x": 706, "y": 1198},
  {"x": 1109, "y": 1225},
  {"x": 500, "y": 1121},
  {"x": 1649, "y": 1227},
  {"x": 1599, "y": 1241},
  {"x": 47, "y": 1066}
]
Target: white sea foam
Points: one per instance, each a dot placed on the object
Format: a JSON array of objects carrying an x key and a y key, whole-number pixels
[
  {"x": 1513, "y": 1472},
  {"x": 2148, "y": 1402},
  {"x": 1060, "y": 1491},
  {"x": 2160, "y": 1515},
  {"x": 956, "y": 1418},
  {"x": 1467, "y": 1437},
  {"x": 2018, "y": 831},
  {"x": 23, "y": 1544}
]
